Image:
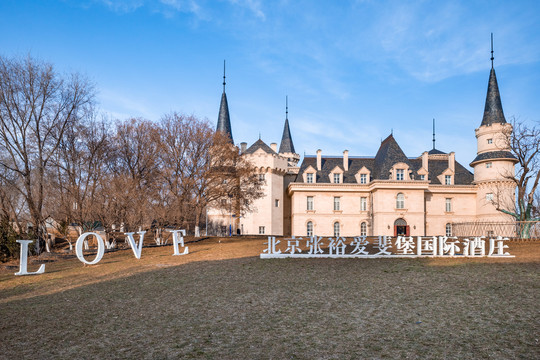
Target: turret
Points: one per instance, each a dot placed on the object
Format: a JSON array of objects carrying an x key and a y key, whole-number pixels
[{"x": 494, "y": 163}]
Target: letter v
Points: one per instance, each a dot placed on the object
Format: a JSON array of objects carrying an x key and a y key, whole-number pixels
[{"x": 137, "y": 248}]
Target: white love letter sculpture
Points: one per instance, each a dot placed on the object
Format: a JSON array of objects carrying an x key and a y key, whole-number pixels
[
  {"x": 137, "y": 249},
  {"x": 79, "y": 248},
  {"x": 23, "y": 267},
  {"x": 179, "y": 240}
]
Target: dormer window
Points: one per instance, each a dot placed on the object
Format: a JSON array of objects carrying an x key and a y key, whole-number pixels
[
  {"x": 447, "y": 179},
  {"x": 309, "y": 178},
  {"x": 337, "y": 178},
  {"x": 421, "y": 177},
  {"x": 400, "y": 174},
  {"x": 363, "y": 178}
]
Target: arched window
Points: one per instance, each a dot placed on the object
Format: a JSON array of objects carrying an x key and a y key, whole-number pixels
[
  {"x": 336, "y": 229},
  {"x": 449, "y": 229},
  {"x": 363, "y": 229},
  {"x": 400, "y": 201},
  {"x": 309, "y": 228}
]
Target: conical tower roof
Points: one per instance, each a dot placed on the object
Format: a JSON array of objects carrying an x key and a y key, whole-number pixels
[
  {"x": 286, "y": 145},
  {"x": 493, "y": 111},
  {"x": 224, "y": 121}
]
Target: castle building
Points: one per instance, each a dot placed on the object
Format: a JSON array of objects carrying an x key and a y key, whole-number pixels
[{"x": 386, "y": 194}]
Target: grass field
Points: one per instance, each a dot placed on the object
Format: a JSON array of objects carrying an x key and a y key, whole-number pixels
[{"x": 222, "y": 301}]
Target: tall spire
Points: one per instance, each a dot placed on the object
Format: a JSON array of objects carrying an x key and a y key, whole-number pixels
[
  {"x": 286, "y": 145},
  {"x": 224, "y": 121},
  {"x": 493, "y": 111}
]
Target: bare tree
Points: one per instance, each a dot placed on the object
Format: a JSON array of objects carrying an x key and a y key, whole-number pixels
[
  {"x": 36, "y": 107},
  {"x": 524, "y": 143},
  {"x": 201, "y": 168},
  {"x": 135, "y": 172},
  {"x": 78, "y": 174}
]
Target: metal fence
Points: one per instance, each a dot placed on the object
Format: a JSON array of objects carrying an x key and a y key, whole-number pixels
[{"x": 524, "y": 230}]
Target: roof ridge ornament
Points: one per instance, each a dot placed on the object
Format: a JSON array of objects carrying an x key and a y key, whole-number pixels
[
  {"x": 224, "y": 76},
  {"x": 433, "y": 133},
  {"x": 492, "y": 58},
  {"x": 286, "y": 107}
]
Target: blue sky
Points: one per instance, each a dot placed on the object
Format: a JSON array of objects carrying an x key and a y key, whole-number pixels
[{"x": 353, "y": 70}]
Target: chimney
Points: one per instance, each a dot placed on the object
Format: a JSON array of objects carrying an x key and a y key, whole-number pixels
[
  {"x": 452, "y": 161},
  {"x": 425, "y": 161},
  {"x": 243, "y": 147},
  {"x": 319, "y": 160},
  {"x": 273, "y": 146},
  {"x": 346, "y": 160}
]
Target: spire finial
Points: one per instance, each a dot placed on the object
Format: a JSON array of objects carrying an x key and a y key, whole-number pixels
[
  {"x": 259, "y": 135},
  {"x": 223, "y": 75},
  {"x": 433, "y": 133},
  {"x": 492, "y": 58},
  {"x": 286, "y": 107}
]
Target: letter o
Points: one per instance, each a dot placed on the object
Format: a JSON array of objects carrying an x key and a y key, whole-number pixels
[{"x": 79, "y": 248}]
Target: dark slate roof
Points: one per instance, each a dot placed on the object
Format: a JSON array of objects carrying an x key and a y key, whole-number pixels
[
  {"x": 389, "y": 154},
  {"x": 259, "y": 144},
  {"x": 494, "y": 155},
  {"x": 286, "y": 145},
  {"x": 436, "y": 167},
  {"x": 436, "y": 152},
  {"x": 493, "y": 111},
  {"x": 224, "y": 121},
  {"x": 462, "y": 176}
]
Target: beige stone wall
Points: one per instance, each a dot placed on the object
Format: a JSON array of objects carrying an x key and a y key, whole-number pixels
[
  {"x": 385, "y": 207},
  {"x": 495, "y": 132},
  {"x": 424, "y": 207},
  {"x": 463, "y": 209},
  {"x": 491, "y": 176},
  {"x": 264, "y": 211}
]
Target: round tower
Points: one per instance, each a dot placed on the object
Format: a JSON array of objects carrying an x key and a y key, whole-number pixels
[{"x": 494, "y": 163}]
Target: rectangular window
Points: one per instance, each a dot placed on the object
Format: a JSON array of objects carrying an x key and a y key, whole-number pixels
[
  {"x": 488, "y": 165},
  {"x": 310, "y": 203},
  {"x": 490, "y": 141},
  {"x": 261, "y": 177},
  {"x": 400, "y": 174},
  {"x": 489, "y": 197},
  {"x": 363, "y": 178},
  {"x": 336, "y": 203},
  {"x": 421, "y": 177},
  {"x": 363, "y": 204},
  {"x": 447, "y": 179},
  {"x": 261, "y": 230},
  {"x": 309, "y": 178},
  {"x": 336, "y": 178},
  {"x": 276, "y": 202},
  {"x": 448, "y": 204}
]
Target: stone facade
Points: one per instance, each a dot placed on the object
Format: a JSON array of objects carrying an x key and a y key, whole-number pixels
[{"x": 387, "y": 194}]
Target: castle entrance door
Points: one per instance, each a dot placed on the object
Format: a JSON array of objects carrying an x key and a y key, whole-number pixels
[{"x": 401, "y": 228}]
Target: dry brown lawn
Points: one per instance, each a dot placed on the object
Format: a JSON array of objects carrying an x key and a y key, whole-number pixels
[{"x": 222, "y": 301}]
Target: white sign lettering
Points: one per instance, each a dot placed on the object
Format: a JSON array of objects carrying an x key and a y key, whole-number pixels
[
  {"x": 137, "y": 249},
  {"x": 23, "y": 264},
  {"x": 79, "y": 248},
  {"x": 384, "y": 246},
  {"x": 179, "y": 240}
]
